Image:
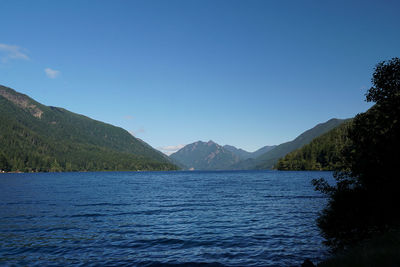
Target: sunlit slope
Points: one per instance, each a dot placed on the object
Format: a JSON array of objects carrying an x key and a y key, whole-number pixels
[{"x": 35, "y": 137}]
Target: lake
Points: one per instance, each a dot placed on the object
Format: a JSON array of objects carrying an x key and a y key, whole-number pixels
[{"x": 235, "y": 218}]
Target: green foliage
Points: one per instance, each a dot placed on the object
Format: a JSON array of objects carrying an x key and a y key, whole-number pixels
[
  {"x": 323, "y": 153},
  {"x": 386, "y": 82},
  {"x": 270, "y": 159},
  {"x": 4, "y": 165},
  {"x": 59, "y": 140},
  {"x": 364, "y": 200}
]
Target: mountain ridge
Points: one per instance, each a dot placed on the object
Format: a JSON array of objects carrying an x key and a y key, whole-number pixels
[
  {"x": 269, "y": 159},
  {"x": 209, "y": 155},
  {"x": 243, "y": 154},
  {"x": 324, "y": 152},
  {"x": 232, "y": 158}
]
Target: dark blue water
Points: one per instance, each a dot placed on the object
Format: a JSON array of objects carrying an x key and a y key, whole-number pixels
[{"x": 260, "y": 218}]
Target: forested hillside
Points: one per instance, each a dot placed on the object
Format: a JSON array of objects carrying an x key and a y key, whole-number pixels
[
  {"x": 323, "y": 153},
  {"x": 269, "y": 160},
  {"x": 35, "y": 137}
]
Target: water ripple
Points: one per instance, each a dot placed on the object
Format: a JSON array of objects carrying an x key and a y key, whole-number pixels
[{"x": 156, "y": 218}]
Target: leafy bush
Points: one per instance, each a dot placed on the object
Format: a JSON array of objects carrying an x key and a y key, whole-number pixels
[{"x": 364, "y": 200}]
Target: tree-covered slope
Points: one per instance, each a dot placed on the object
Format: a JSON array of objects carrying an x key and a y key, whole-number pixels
[
  {"x": 269, "y": 159},
  {"x": 323, "y": 153},
  {"x": 35, "y": 137}
]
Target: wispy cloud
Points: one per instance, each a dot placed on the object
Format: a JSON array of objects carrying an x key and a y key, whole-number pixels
[
  {"x": 128, "y": 117},
  {"x": 170, "y": 149},
  {"x": 52, "y": 74},
  {"x": 8, "y": 52}
]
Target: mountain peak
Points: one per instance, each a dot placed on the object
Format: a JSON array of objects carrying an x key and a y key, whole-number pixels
[
  {"x": 212, "y": 156},
  {"x": 211, "y": 142},
  {"x": 205, "y": 156}
]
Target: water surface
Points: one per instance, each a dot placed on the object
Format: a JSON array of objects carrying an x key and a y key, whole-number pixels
[{"x": 249, "y": 218}]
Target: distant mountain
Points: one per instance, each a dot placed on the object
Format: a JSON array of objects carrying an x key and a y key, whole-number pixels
[
  {"x": 261, "y": 151},
  {"x": 323, "y": 153},
  {"x": 205, "y": 156},
  {"x": 243, "y": 154},
  {"x": 35, "y": 137},
  {"x": 211, "y": 156},
  {"x": 269, "y": 159}
]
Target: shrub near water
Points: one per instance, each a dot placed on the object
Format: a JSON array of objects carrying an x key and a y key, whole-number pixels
[
  {"x": 363, "y": 203},
  {"x": 379, "y": 251}
]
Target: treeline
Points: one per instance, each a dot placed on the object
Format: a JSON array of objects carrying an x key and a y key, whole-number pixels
[
  {"x": 323, "y": 153},
  {"x": 33, "y": 162},
  {"x": 24, "y": 151}
]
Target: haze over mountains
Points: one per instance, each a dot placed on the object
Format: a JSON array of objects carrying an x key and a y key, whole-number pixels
[
  {"x": 212, "y": 156},
  {"x": 35, "y": 137}
]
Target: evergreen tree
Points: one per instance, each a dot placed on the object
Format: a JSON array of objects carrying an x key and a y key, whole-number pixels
[
  {"x": 322, "y": 153},
  {"x": 4, "y": 165}
]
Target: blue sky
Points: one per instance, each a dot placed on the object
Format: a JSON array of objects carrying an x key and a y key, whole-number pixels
[{"x": 245, "y": 73}]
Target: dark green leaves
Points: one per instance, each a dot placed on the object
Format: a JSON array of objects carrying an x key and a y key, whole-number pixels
[{"x": 364, "y": 201}]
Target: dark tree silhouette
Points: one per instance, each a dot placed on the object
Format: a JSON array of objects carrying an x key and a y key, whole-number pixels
[{"x": 364, "y": 201}]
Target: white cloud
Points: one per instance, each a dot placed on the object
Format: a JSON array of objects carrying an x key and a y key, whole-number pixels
[
  {"x": 52, "y": 74},
  {"x": 170, "y": 149},
  {"x": 8, "y": 52}
]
